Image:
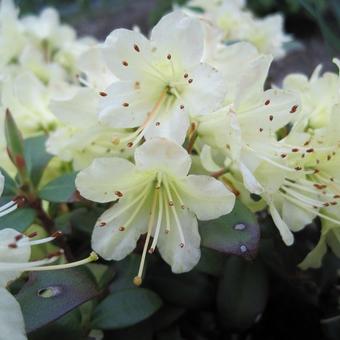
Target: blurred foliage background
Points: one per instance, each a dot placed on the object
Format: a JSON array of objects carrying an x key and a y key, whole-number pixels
[
  {"x": 314, "y": 23},
  {"x": 304, "y": 17}
]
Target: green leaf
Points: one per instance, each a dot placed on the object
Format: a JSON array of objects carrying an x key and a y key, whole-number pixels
[
  {"x": 192, "y": 290},
  {"x": 36, "y": 157},
  {"x": 10, "y": 188},
  {"x": 126, "y": 308},
  {"x": 49, "y": 295},
  {"x": 61, "y": 189},
  {"x": 236, "y": 233},
  {"x": 19, "y": 219},
  {"x": 242, "y": 293},
  {"x": 211, "y": 262},
  {"x": 15, "y": 145}
]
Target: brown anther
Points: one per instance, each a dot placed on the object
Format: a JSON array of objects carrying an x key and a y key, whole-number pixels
[
  {"x": 181, "y": 245},
  {"x": 20, "y": 201},
  {"x": 125, "y": 104},
  {"x": 167, "y": 231},
  {"x": 320, "y": 186},
  {"x": 329, "y": 157},
  {"x": 310, "y": 150},
  {"x": 182, "y": 206},
  {"x": 190, "y": 81},
  {"x": 18, "y": 237},
  {"x": 125, "y": 63},
  {"x": 136, "y": 47},
  {"x": 157, "y": 123},
  {"x": 293, "y": 109},
  {"x": 316, "y": 171},
  {"x": 102, "y": 224},
  {"x": 306, "y": 143},
  {"x": 303, "y": 155},
  {"x": 137, "y": 281},
  {"x": 295, "y": 150},
  {"x": 267, "y": 102},
  {"x": 283, "y": 155},
  {"x": 181, "y": 107},
  {"x": 326, "y": 204},
  {"x": 331, "y": 179},
  {"x": 271, "y": 117},
  {"x": 12, "y": 246},
  {"x": 137, "y": 85},
  {"x": 31, "y": 235},
  {"x": 121, "y": 228},
  {"x": 298, "y": 168},
  {"x": 171, "y": 204},
  {"x": 168, "y": 56},
  {"x": 186, "y": 75},
  {"x": 334, "y": 203},
  {"x": 57, "y": 234},
  {"x": 119, "y": 193},
  {"x": 336, "y": 196},
  {"x": 129, "y": 145},
  {"x": 260, "y": 129},
  {"x": 103, "y": 94}
]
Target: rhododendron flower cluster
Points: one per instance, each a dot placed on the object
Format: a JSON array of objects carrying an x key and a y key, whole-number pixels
[{"x": 168, "y": 129}]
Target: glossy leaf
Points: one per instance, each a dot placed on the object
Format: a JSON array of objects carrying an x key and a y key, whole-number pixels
[
  {"x": 236, "y": 233},
  {"x": 126, "y": 308},
  {"x": 15, "y": 144},
  {"x": 49, "y": 295},
  {"x": 19, "y": 219},
  {"x": 61, "y": 189},
  {"x": 10, "y": 188},
  {"x": 242, "y": 293},
  {"x": 36, "y": 157}
]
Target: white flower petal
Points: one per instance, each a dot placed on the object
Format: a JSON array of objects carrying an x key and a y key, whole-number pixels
[
  {"x": 207, "y": 197},
  {"x": 11, "y": 320},
  {"x": 274, "y": 109},
  {"x": 162, "y": 154},
  {"x": 314, "y": 258},
  {"x": 295, "y": 217},
  {"x": 207, "y": 160},
  {"x": 286, "y": 234},
  {"x": 181, "y": 36},
  {"x": 249, "y": 180},
  {"x": 124, "y": 106},
  {"x": 206, "y": 92},
  {"x": 79, "y": 109},
  {"x": 181, "y": 259},
  {"x": 12, "y": 255},
  {"x": 251, "y": 84},
  {"x": 112, "y": 243},
  {"x": 172, "y": 125},
  {"x": 127, "y": 54},
  {"x": 101, "y": 181}
]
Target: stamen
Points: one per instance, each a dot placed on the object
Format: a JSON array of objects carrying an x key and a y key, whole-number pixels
[
  {"x": 8, "y": 208},
  {"x": 303, "y": 206},
  {"x": 44, "y": 240},
  {"x": 7, "y": 205},
  {"x": 174, "y": 212},
  {"x": 158, "y": 225},
  {"x": 93, "y": 257},
  {"x": 138, "y": 279}
]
